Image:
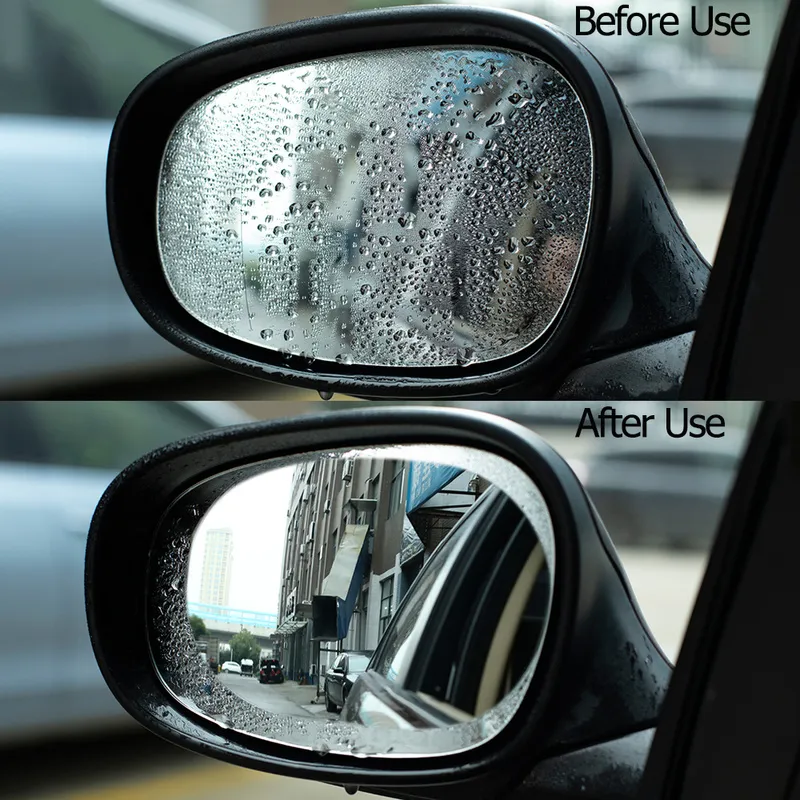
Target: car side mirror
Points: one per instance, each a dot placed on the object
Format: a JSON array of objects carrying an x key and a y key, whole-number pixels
[
  {"x": 526, "y": 584},
  {"x": 487, "y": 216}
]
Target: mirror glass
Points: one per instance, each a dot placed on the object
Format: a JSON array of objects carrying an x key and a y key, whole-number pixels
[
  {"x": 387, "y": 601},
  {"x": 401, "y": 208}
]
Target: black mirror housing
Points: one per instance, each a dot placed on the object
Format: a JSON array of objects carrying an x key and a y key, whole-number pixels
[
  {"x": 601, "y": 677},
  {"x": 640, "y": 279}
]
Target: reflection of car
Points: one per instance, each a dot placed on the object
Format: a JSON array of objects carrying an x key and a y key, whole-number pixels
[
  {"x": 489, "y": 580},
  {"x": 662, "y": 491},
  {"x": 695, "y": 124},
  {"x": 65, "y": 70},
  {"x": 231, "y": 666},
  {"x": 247, "y": 666},
  {"x": 339, "y": 679},
  {"x": 270, "y": 672},
  {"x": 56, "y": 459}
]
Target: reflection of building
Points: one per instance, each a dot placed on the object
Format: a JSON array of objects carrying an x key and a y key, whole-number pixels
[
  {"x": 359, "y": 530},
  {"x": 215, "y": 581}
]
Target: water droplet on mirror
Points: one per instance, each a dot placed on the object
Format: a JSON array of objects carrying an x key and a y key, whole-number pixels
[{"x": 407, "y": 220}]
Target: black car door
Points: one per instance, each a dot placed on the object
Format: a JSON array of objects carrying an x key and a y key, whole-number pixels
[
  {"x": 730, "y": 726},
  {"x": 345, "y": 670},
  {"x": 335, "y": 678},
  {"x": 745, "y": 345}
]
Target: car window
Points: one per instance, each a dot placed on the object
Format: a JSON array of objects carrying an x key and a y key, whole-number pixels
[
  {"x": 391, "y": 654},
  {"x": 74, "y": 58},
  {"x": 357, "y": 663},
  {"x": 101, "y": 435}
]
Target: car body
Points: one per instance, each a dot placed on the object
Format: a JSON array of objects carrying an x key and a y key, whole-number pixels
[
  {"x": 231, "y": 668},
  {"x": 56, "y": 460},
  {"x": 659, "y": 491},
  {"x": 66, "y": 70},
  {"x": 339, "y": 679},
  {"x": 271, "y": 672},
  {"x": 695, "y": 122}
]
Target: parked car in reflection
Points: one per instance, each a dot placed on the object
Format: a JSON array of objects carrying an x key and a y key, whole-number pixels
[
  {"x": 66, "y": 68},
  {"x": 339, "y": 679},
  {"x": 270, "y": 672},
  {"x": 662, "y": 492},
  {"x": 56, "y": 460},
  {"x": 695, "y": 122},
  {"x": 231, "y": 667}
]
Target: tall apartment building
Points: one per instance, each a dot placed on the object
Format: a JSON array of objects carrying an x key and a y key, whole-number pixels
[
  {"x": 215, "y": 580},
  {"x": 354, "y": 531}
]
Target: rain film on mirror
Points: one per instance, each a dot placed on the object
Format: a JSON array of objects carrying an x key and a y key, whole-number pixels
[
  {"x": 331, "y": 575},
  {"x": 435, "y": 221}
]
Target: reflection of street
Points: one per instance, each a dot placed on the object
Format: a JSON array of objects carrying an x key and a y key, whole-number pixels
[
  {"x": 140, "y": 767},
  {"x": 279, "y": 698}
]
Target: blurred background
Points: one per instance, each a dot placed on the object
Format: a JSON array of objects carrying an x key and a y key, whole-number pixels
[
  {"x": 67, "y": 328},
  {"x": 62, "y": 734}
]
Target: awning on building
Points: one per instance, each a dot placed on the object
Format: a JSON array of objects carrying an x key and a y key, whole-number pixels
[
  {"x": 344, "y": 583},
  {"x": 290, "y": 626},
  {"x": 337, "y": 581},
  {"x": 425, "y": 480},
  {"x": 411, "y": 544}
]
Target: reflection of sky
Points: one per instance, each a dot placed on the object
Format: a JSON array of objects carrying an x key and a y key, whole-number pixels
[{"x": 255, "y": 511}]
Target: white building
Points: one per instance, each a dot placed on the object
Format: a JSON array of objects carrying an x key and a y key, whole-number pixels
[{"x": 215, "y": 581}]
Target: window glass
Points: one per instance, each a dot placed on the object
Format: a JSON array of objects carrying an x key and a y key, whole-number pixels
[
  {"x": 75, "y": 58},
  {"x": 396, "y": 491},
  {"x": 387, "y": 591},
  {"x": 391, "y": 655},
  {"x": 357, "y": 663},
  {"x": 102, "y": 435}
]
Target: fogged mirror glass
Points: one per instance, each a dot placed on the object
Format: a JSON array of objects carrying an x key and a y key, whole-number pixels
[
  {"x": 388, "y": 601},
  {"x": 401, "y": 208}
]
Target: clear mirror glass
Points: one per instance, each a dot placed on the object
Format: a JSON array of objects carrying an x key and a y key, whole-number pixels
[
  {"x": 402, "y": 208},
  {"x": 389, "y": 601}
]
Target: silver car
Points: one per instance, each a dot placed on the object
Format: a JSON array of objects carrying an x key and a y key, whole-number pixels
[
  {"x": 56, "y": 460},
  {"x": 66, "y": 68}
]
